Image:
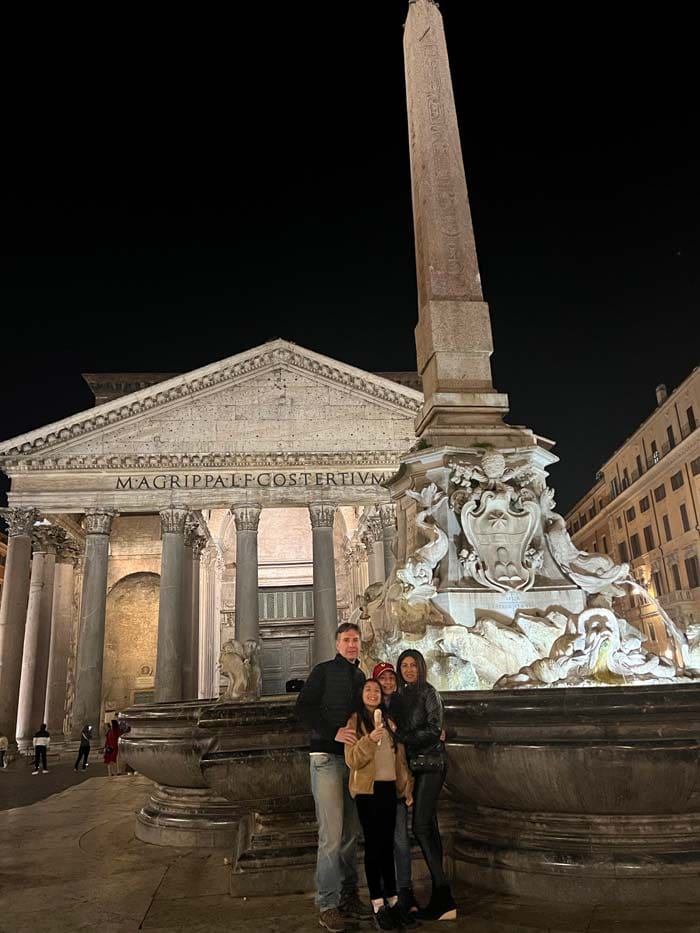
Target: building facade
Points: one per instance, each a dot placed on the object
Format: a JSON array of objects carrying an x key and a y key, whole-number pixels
[
  {"x": 644, "y": 508},
  {"x": 242, "y": 500}
]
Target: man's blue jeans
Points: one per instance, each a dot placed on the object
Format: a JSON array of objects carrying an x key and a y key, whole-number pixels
[
  {"x": 402, "y": 847},
  {"x": 338, "y": 828}
]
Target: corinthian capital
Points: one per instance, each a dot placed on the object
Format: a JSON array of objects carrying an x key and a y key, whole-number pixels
[
  {"x": 173, "y": 519},
  {"x": 48, "y": 539},
  {"x": 322, "y": 514},
  {"x": 98, "y": 521},
  {"x": 191, "y": 532},
  {"x": 246, "y": 517},
  {"x": 198, "y": 545},
  {"x": 21, "y": 522},
  {"x": 387, "y": 515}
]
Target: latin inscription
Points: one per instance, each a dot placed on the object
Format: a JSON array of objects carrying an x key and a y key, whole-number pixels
[{"x": 268, "y": 480}]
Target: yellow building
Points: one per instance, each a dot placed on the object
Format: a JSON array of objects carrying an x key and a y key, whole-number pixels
[{"x": 644, "y": 510}]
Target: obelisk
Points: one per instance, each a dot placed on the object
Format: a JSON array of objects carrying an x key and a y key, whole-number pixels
[{"x": 453, "y": 336}]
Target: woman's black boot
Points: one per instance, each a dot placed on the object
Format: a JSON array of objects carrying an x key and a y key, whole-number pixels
[{"x": 440, "y": 907}]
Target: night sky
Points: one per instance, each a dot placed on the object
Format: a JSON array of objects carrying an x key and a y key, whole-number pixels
[{"x": 170, "y": 201}]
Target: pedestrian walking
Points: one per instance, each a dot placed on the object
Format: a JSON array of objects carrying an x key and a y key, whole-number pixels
[
  {"x": 325, "y": 704},
  {"x": 41, "y": 742},
  {"x": 111, "y": 752},
  {"x": 84, "y": 748}
]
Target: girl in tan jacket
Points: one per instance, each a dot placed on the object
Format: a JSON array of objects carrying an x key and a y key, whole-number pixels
[{"x": 378, "y": 775}]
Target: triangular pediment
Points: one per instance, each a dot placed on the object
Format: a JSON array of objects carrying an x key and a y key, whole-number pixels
[{"x": 278, "y": 397}]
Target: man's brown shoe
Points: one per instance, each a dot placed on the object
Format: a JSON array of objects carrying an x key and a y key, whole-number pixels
[
  {"x": 352, "y": 908},
  {"x": 332, "y": 920}
]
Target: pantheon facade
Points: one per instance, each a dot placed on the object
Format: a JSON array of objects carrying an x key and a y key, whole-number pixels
[{"x": 242, "y": 500}]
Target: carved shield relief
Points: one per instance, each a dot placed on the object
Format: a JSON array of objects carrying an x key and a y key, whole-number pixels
[{"x": 499, "y": 531}]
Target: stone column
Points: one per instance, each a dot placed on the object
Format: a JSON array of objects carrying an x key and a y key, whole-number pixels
[
  {"x": 387, "y": 515},
  {"x": 198, "y": 545},
  {"x": 168, "y": 679},
  {"x": 372, "y": 540},
  {"x": 186, "y": 611},
  {"x": 247, "y": 518},
  {"x": 59, "y": 650},
  {"x": 37, "y": 638},
  {"x": 209, "y": 625},
  {"x": 87, "y": 703},
  {"x": 325, "y": 600},
  {"x": 13, "y": 614}
]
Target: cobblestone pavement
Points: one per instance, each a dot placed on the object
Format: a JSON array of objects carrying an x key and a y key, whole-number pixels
[{"x": 71, "y": 863}]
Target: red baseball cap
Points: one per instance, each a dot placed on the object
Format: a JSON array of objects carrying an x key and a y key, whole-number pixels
[{"x": 381, "y": 668}]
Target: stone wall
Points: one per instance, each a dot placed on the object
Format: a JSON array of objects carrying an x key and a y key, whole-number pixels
[
  {"x": 130, "y": 639},
  {"x": 131, "y": 627}
]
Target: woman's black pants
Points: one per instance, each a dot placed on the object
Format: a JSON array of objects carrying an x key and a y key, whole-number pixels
[
  {"x": 377, "y": 814},
  {"x": 83, "y": 753},
  {"x": 425, "y": 823}
]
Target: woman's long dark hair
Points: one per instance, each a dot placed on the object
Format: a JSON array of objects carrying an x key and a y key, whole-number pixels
[
  {"x": 363, "y": 715},
  {"x": 420, "y": 663}
]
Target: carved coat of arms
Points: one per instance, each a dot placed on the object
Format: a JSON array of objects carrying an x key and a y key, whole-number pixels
[{"x": 499, "y": 528}]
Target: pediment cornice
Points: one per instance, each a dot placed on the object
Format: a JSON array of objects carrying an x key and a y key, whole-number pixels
[{"x": 235, "y": 368}]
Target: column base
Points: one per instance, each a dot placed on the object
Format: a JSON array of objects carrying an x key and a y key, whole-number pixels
[{"x": 189, "y": 817}]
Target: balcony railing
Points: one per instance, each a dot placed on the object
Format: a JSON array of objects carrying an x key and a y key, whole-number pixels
[{"x": 680, "y": 596}]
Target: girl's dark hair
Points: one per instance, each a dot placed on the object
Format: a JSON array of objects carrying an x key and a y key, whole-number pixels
[
  {"x": 420, "y": 662},
  {"x": 363, "y": 716}
]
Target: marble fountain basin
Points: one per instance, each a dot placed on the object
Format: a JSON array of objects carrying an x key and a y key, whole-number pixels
[{"x": 592, "y": 793}]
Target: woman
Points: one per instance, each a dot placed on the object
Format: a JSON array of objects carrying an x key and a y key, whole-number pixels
[
  {"x": 84, "y": 749},
  {"x": 112, "y": 747},
  {"x": 419, "y": 718},
  {"x": 378, "y": 774}
]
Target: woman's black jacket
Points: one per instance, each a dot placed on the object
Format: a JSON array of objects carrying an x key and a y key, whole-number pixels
[{"x": 418, "y": 711}]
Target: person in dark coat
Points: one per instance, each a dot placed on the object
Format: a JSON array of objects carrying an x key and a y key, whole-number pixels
[
  {"x": 84, "y": 749},
  {"x": 325, "y": 704},
  {"x": 41, "y": 742},
  {"x": 418, "y": 711}
]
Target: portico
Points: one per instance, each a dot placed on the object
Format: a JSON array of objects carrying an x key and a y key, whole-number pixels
[{"x": 243, "y": 500}]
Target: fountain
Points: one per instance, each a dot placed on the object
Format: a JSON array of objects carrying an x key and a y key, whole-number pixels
[{"x": 574, "y": 762}]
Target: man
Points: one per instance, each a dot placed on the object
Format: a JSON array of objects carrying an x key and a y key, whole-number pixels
[
  {"x": 325, "y": 704},
  {"x": 41, "y": 743},
  {"x": 386, "y": 675}
]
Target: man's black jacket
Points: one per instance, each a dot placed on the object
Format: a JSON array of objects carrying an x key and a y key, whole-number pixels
[{"x": 327, "y": 700}]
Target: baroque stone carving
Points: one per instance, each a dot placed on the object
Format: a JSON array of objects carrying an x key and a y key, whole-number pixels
[
  {"x": 246, "y": 517},
  {"x": 98, "y": 521},
  {"x": 594, "y": 651},
  {"x": 21, "y": 521},
  {"x": 189, "y": 386},
  {"x": 172, "y": 520},
  {"x": 594, "y": 573},
  {"x": 239, "y": 662},
  {"x": 416, "y": 575},
  {"x": 322, "y": 514}
]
